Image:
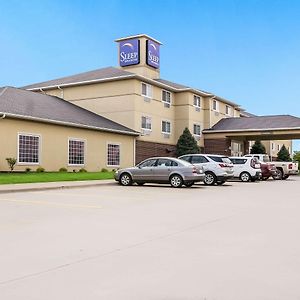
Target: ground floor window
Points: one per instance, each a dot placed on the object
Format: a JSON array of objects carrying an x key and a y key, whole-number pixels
[
  {"x": 113, "y": 154},
  {"x": 76, "y": 152},
  {"x": 28, "y": 148},
  {"x": 166, "y": 127}
]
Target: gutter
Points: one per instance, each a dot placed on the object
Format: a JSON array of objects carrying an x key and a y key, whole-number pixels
[
  {"x": 16, "y": 116},
  {"x": 249, "y": 130}
]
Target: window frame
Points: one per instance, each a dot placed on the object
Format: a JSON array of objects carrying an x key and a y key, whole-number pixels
[
  {"x": 229, "y": 110},
  {"x": 196, "y": 124},
  {"x": 148, "y": 89},
  {"x": 115, "y": 144},
  {"x": 200, "y": 100},
  {"x": 168, "y": 92},
  {"x": 39, "y": 148},
  {"x": 217, "y": 105},
  {"x": 147, "y": 117},
  {"x": 167, "y": 121},
  {"x": 84, "y": 151}
]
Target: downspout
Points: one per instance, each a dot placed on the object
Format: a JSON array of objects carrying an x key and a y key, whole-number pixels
[
  {"x": 61, "y": 92},
  {"x": 271, "y": 158}
]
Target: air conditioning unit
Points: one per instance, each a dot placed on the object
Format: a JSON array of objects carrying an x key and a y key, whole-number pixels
[
  {"x": 197, "y": 137},
  {"x": 166, "y": 104},
  {"x": 145, "y": 132},
  {"x": 147, "y": 99},
  {"x": 217, "y": 113},
  {"x": 166, "y": 135},
  {"x": 197, "y": 108}
]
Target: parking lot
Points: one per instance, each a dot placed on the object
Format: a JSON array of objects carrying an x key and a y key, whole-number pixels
[{"x": 237, "y": 241}]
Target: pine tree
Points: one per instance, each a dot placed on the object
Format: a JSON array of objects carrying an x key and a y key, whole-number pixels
[
  {"x": 283, "y": 154},
  {"x": 258, "y": 148},
  {"x": 186, "y": 144}
]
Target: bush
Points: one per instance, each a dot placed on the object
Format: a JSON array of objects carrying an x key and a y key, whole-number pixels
[
  {"x": 63, "y": 170},
  {"x": 186, "y": 144},
  {"x": 104, "y": 170},
  {"x": 82, "y": 170},
  {"x": 40, "y": 170},
  {"x": 11, "y": 163},
  {"x": 27, "y": 170},
  {"x": 258, "y": 148},
  {"x": 283, "y": 154}
]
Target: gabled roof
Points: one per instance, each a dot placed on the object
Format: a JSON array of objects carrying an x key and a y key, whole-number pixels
[
  {"x": 255, "y": 123},
  {"x": 18, "y": 103}
]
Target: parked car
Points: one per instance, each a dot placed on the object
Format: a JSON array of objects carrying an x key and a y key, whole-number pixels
[
  {"x": 217, "y": 168},
  {"x": 284, "y": 168},
  {"x": 246, "y": 168},
  {"x": 268, "y": 170},
  {"x": 161, "y": 170}
]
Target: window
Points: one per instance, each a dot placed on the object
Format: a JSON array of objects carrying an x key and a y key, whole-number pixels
[
  {"x": 197, "y": 129},
  {"x": 146, "y": 90},
  {"x": 272, "y": 145},
  {"x": 215, "y": 105},
  {"x": 76, "y": 152},
  {"x": 147, "y": 163},
  {"x": 166, "y": 127},
  {"x": 220, "y": 159},
  {"x": 278, "y": 147},
  {"x": 166, "y": 98},
  {"x": 113, "y": 154},
  {"x": 28, "y": 148},
  {"x": 146, "y": 123},
  {"x": 197, "y": 101},
  {"x": 238, "y": 161},
  {"x": 228, "y": 110},
  {"x": 186, "y": 158},
  {"x": 196, "y": 159}
]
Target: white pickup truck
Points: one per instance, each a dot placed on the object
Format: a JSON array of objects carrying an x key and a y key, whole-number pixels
[{"x": 284, "y": 168}]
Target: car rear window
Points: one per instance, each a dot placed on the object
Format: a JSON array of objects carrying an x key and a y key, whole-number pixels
[
  {"x": 220, "y": 159},
  {"x": 238, "y": 161}
]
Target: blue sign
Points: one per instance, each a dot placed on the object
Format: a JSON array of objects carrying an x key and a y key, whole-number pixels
[
  {"x": 129, "y": 52},
  {"x": 152, "y": 54}
]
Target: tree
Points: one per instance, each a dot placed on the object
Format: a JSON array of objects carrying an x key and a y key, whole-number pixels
[
  {"x": 11, "y": 163},
  {"x": 258, "y": 148},
  {"x": 283, "y": 154},
  {"x": 186, "y": 144}
]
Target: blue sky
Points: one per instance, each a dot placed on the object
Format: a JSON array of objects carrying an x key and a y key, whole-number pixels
[{"x": 245, "y": 51}]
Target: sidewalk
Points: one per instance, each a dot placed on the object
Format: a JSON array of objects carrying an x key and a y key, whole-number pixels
[{"x": 40, "y": 186}]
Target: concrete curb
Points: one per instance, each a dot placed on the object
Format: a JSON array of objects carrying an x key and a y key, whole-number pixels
[{"x": 42, "y": 186}]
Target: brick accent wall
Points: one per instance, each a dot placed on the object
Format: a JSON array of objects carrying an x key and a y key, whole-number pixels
[
  {"x": 148, "y": 149},
  {"x": 217, "y": 146}
]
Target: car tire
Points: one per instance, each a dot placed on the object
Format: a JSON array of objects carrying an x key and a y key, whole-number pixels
[
  {"x": 176, "y": 181},
  {"x": 285, "y": 177},
  {"x": 265, "y": 178},
  {"x": 125, "y": 179},
  {"x": 245, "y": 177},
  {"x": 188, "y": 183},
  {"x": 210, "y": 178},
  {"x": 220, "y": 182},
  {"x": 279, "y": 175}
]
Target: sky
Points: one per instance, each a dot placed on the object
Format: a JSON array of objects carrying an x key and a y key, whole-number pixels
[{"x": 246, "y": 51}]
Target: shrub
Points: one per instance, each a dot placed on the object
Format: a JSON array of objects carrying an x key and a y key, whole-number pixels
[
  {"x": 11, "y": 163},
  {"x": 104, "y": 170},
  {"x": 186, "y": 144},
  {"x": 283, "y": 154},
  {"x": 40, "y": 170},
  {"x": 258, "y": 148},
  {"x": 27, "y": 170},
  {"x": 63, "y": 170},
  {"x": 82, "y": 170}
]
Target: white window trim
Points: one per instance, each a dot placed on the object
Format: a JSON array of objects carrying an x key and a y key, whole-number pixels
[
  {"x": 198, "y": 135},
  {"x": 39, "y": 153},
  {"x": 217, "y": 105},
  {"x": 162, "y": 100},
  {"x": 194, "y": 101},
  {"x": 150, "y": 120},
  {"x": 150, "y": 88},
  {"x": 229, "y": 110},
  {"x": 84, "y": 149},
  {"x": 113, "y": 143},
  {"x": 170, "y": 127}
]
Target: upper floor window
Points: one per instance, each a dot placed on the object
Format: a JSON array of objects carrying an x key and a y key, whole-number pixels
[
  {"x": 113, "y": 154},
  {"x": 166, "y": 98},
  {"x": 215, "y": 105},
  {"x": 197, "y": 101},
  {"x": 228, "y": 110},
  {"x": 272, "y": 145},
  {"x": 146, "y": 90},
  {"x": 146, "y": 123},
  {"x": 197, "y": 129},
  {"x": 76, "y": 152},
  {"x": 28, "y": 148},
  {"x": 166, "y": 127}
]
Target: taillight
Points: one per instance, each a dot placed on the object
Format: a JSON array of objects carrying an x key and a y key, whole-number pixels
[
  {"x": 222, "y": 165},
  {"x": 290, "y": 166},
  {"x": 252, "y": 163}
]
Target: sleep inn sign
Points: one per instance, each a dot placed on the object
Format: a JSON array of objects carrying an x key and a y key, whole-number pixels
[{"x": 129, "y": 52}]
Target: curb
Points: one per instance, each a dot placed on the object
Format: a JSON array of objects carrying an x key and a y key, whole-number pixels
[{"x": 64, "y": 185}]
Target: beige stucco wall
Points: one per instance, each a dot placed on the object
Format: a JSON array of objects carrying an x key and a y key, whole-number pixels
[
  {"x": 54, "y": 145},
  {"x": 272, "y": 147}
]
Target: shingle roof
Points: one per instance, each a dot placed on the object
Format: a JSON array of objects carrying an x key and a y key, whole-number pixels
[
  {"x": 256, "y": 123},
  {"x": 31, "y": 105},
  {"x": 99, "y": 74}
]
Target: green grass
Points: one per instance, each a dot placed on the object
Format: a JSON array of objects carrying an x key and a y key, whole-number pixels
[{"x": 31, "y": 177}]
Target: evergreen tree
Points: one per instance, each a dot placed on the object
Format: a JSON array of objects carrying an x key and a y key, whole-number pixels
[
  {"x": 186, "y": 144},
  {"x": 258, "y": 148},
  {"x": 283, "y": 154}
]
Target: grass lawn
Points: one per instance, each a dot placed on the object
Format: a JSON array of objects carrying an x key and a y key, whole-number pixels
[{"x": 6, "y": 178}]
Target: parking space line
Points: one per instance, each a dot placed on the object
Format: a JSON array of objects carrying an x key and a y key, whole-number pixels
[{"x": 52, "y": 203}]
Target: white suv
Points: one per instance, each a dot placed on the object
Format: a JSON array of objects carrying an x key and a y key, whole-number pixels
[
  {"x": 217, "y": 168},
  {"x": 246, "y": 168}
]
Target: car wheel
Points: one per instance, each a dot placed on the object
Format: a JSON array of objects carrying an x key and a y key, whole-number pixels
[
  {"x": 126, "y": 179},
  {"x": 188, "y": 183},
  {"x": 265, "y": 178},
  {"x": 285, "y": 177},
  {"x": 220, "y": 182},
  {"x": 245, "y": 177},
  {"x": 279, "y": 175},
  {"x": 176, "y": 181},
  {"x": 210, "y": 178}
]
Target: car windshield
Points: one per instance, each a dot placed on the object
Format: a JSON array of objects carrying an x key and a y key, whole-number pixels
[
  {"x": 221, "y": 159},
  {"x": 147, "y": 163},
  {"x": 183, "y": 162}
]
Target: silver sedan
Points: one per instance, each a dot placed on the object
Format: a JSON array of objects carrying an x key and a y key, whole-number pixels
[{"x": 161, "y": 170}]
